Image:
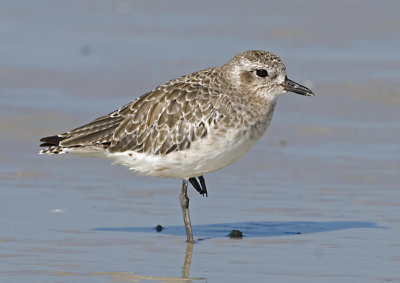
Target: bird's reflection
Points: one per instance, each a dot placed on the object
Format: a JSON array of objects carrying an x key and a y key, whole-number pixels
[
  {"x": 133, "y": 277},
  {"x": 188, "y": 260}
]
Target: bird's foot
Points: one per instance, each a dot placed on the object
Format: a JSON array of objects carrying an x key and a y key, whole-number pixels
[{"x": 200, "y": 187}]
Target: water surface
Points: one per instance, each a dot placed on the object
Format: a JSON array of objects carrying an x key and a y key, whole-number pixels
[{"x": 317, "y": 198}]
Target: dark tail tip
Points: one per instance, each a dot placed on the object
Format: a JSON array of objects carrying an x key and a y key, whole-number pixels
[{"x": 51, "y": 141}]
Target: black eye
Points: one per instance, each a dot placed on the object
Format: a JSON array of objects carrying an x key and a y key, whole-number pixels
[{"x": 262, "y": 73}]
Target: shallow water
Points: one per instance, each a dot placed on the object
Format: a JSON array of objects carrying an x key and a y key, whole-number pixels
[{"x": 317, "y": 198}]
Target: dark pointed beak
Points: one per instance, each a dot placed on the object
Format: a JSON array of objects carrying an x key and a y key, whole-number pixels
[{"x": 292, "y": 86}]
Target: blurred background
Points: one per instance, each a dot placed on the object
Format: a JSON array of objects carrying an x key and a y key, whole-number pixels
[{"x": 330, "y": 159}]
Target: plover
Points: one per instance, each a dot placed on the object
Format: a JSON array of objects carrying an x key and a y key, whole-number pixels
[{"x": 189, "y": 126}]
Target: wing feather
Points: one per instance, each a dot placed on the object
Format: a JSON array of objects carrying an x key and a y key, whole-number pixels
[
  {"x": 166, "y": 120},
  {"x": 169, "y": 118}
]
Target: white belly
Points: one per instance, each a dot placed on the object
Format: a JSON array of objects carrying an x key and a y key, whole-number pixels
[{"x": 206, "y": 155}]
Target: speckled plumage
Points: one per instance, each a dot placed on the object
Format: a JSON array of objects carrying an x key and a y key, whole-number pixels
[{"x": 189, "y": 126}]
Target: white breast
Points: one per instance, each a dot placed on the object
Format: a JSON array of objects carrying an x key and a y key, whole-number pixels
[{"x": 218, "y": 149}]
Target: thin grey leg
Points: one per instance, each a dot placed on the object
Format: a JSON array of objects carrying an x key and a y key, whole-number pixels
[{"x": 184, "y": 200}]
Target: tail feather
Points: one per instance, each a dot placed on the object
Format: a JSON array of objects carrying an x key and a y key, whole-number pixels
[
  {"x": 51, "y": 140},
  {"x": 89, "y": 137},
  {"x": 52, "y": 150},
  {"x": 99, "y": 124}
]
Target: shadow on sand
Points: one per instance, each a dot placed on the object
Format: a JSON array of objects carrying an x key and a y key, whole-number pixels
[{"x": 251, "y": 229}]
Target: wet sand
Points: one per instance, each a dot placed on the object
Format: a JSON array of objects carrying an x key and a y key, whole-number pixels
[{"x": 317, "y": 198}]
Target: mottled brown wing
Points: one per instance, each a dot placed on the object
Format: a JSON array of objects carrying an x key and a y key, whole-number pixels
[
  {"x": 100, "y": 131},
  {"x": 167, "y": 119}
]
